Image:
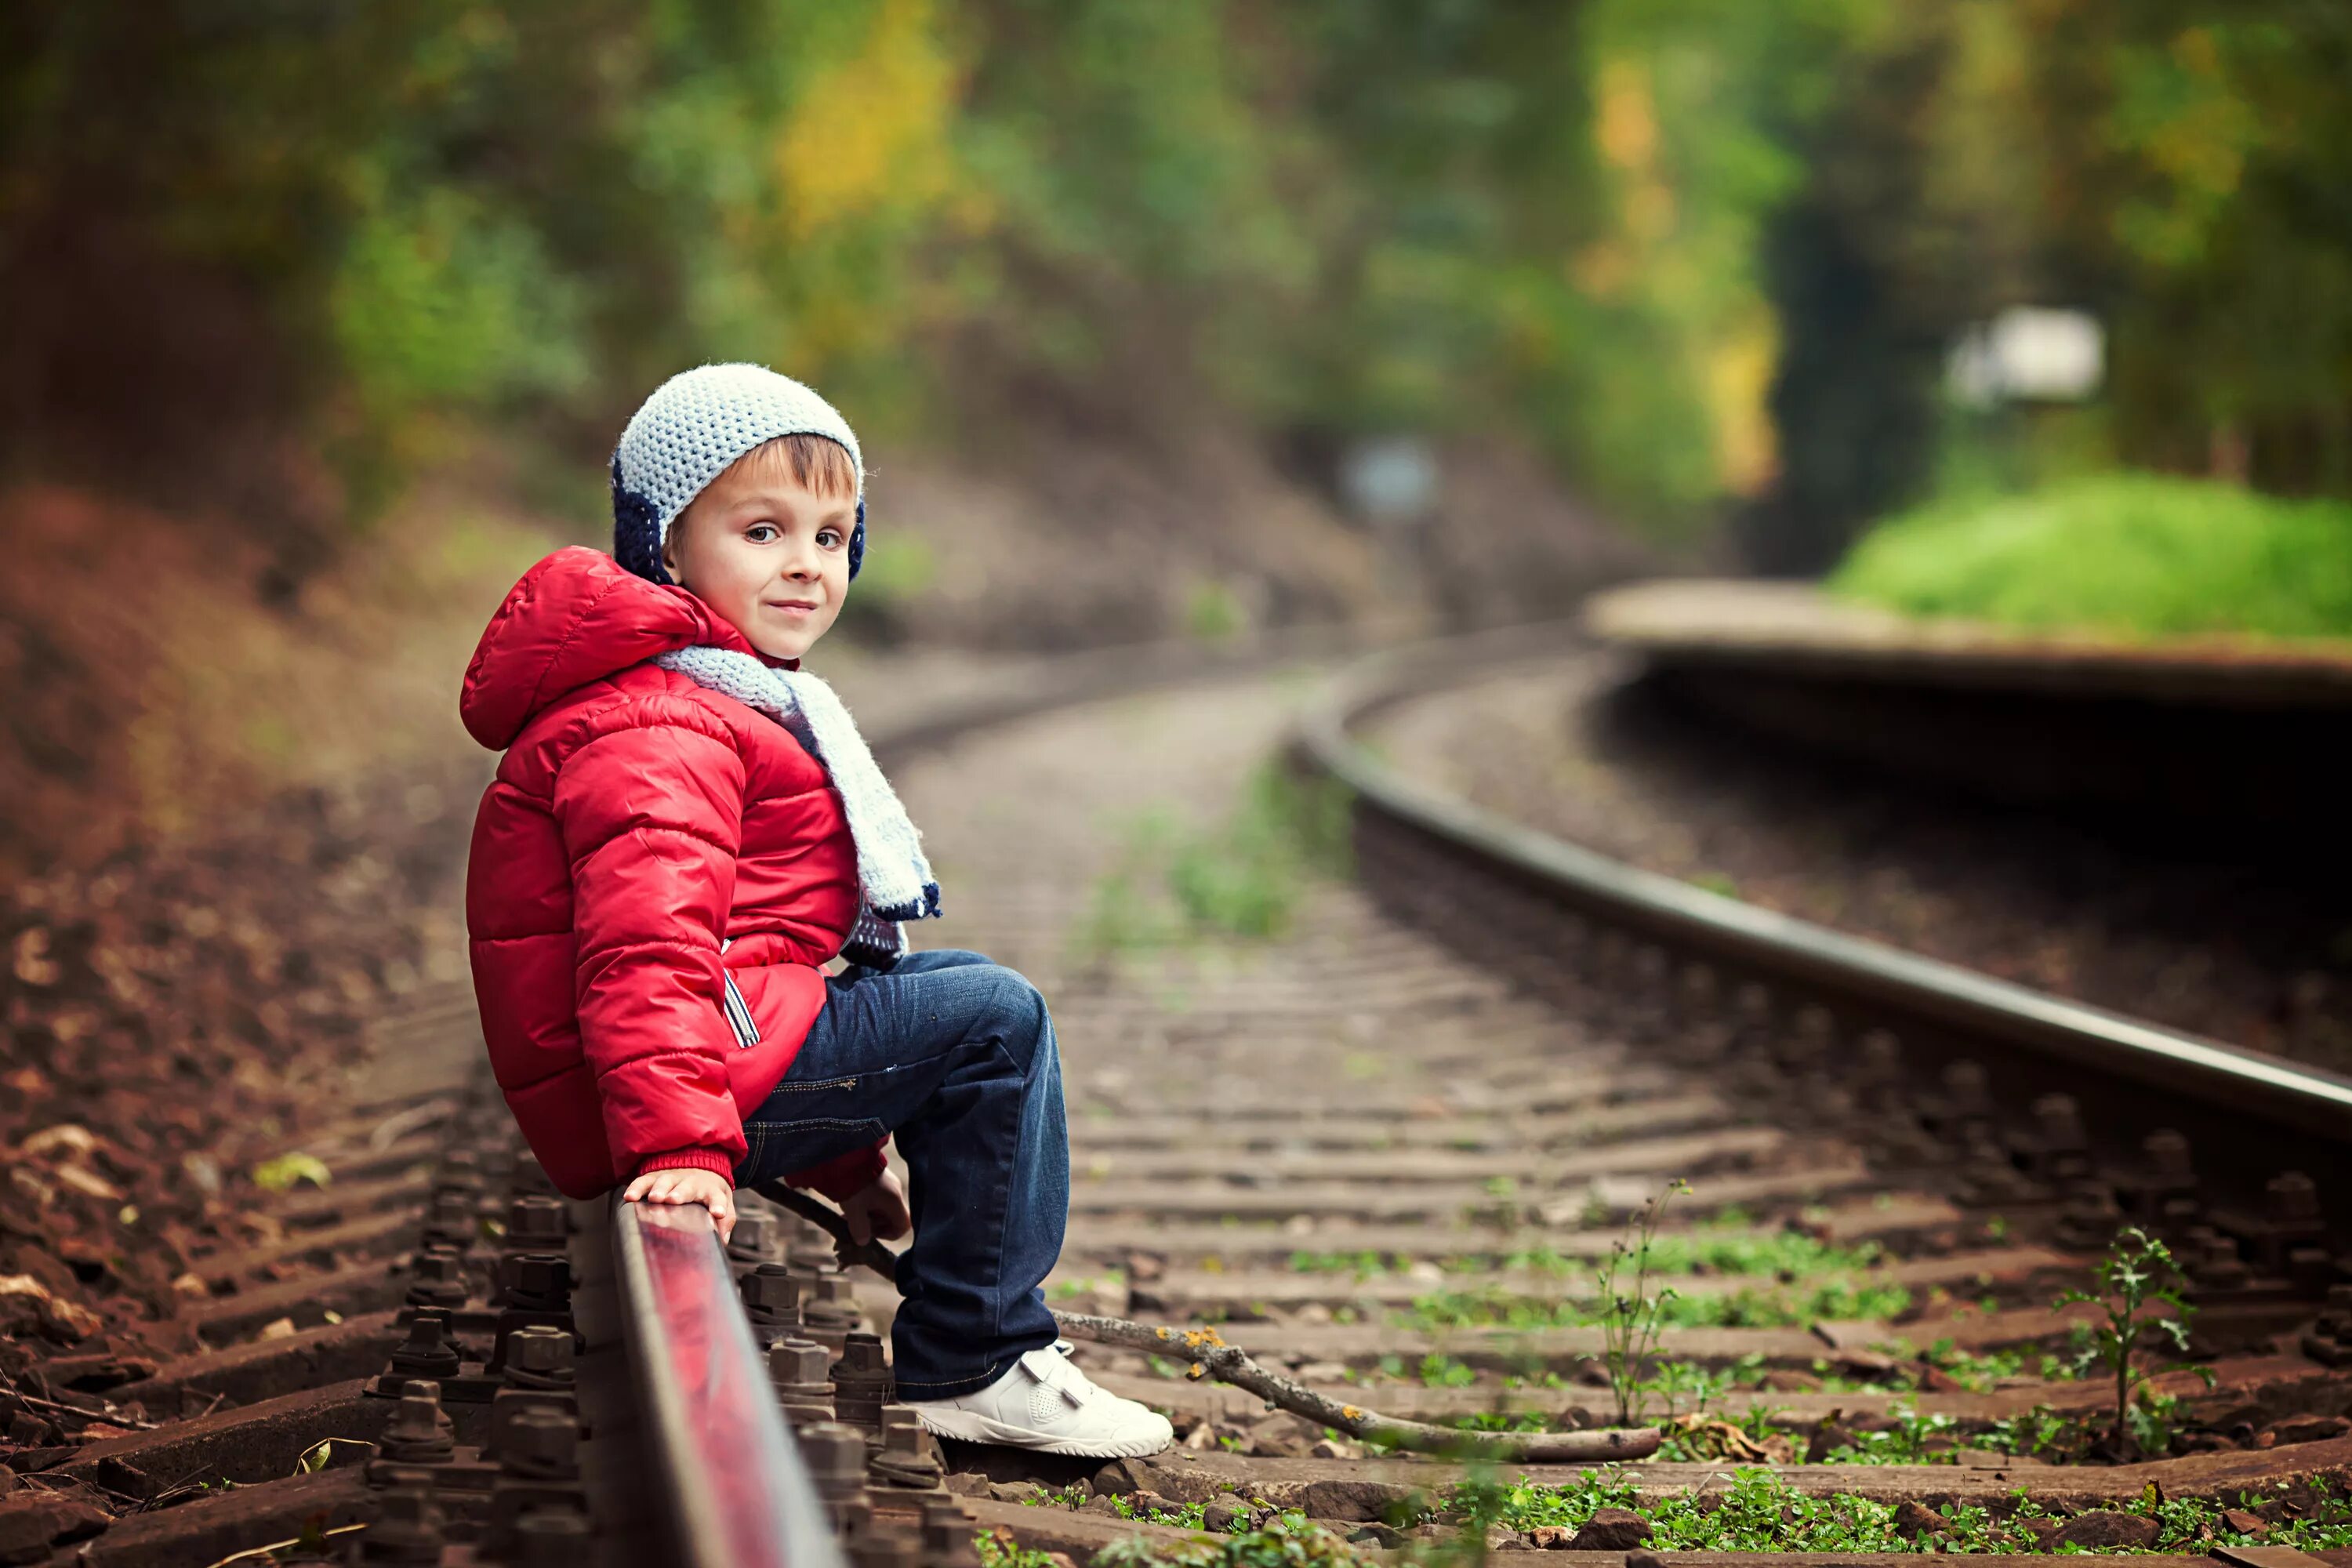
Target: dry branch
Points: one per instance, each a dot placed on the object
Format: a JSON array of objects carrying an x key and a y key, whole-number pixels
[{"x": 1206, "y": 1355}]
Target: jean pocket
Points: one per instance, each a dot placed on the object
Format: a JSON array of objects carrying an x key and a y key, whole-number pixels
[
  {"x": 779, "y": 1148},
  {"x": 789, "y": 1087}
]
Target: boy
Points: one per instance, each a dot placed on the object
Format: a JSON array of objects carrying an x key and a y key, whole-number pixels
[{"x": 684, "y": 829}]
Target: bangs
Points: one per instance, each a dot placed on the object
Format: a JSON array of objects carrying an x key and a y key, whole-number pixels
[{"x": 816, "y": 463}]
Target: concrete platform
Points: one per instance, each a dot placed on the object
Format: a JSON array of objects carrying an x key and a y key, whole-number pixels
[{"x": 1796, "y": 627}]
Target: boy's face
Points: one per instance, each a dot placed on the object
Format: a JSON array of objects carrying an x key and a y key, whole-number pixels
[{"x": 769, "y": 556}]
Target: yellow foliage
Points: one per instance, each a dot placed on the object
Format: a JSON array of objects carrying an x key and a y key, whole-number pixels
[
  {"x": 1625, "y": 128},
  {"x": 1739, "y": 377},
  {"x": 870, "y": 134}
]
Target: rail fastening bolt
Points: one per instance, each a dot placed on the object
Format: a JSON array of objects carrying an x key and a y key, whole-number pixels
[
  {"x": 2293, "y": 1196},
  {"x": 407, "y": 1529},
  {"x": 439, "y": 1280},
  {"x": 540, "y": 1444},
  {"x": 2168, "y": 1155},
  {"x": 539, "y": 1355},
  {"x": 426, "y": 1352},
  {"x": 534, "y": 1224},
  {"x": 754, "y": 1239},
  {"x": 551, "y": 1538},
  {"x": 539, "y": 1281},
  {"x": 418, "y": 1433}
]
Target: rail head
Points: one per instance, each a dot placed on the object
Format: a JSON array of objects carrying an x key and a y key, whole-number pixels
[
  {"x": 2311, "y": 1099},
  {"x": 731, "y": 1483}
]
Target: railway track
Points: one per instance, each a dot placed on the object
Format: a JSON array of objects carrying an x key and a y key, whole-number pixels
[{"x": 1384, "y": 1147}]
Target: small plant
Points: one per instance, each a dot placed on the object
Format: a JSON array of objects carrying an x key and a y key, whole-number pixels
[
  {"x": 997, "y": 1548},
  {"x": 1242, "y": 878},
  {"x": 1631, "y": 1315},
  {"x": 1444, "y": 1372},
  {"x": 2135, "y": 1277}
]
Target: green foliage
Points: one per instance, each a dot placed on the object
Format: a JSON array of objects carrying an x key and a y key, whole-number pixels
[
  {"x": 1761, "y": 1513},
  {"x": 1498, "y": 1307},
  {"x": 1290, "y": 1542},
  {"x": 1243, "y": 877},
  {"x": 1213, "y": 613},
  {"x": 1718, "y": 1246},
  {"x": 1444, "y": 1372},
  {"x": 1696, "y": 251},
  {"x": 998, "y": 1550},
  {"x": 1631, "y": 1312},
  {"x": 2131, "y": 553},
  {"x": 2137, "y": 1276}
]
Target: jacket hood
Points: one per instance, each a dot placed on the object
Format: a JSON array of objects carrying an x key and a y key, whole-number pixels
[{"x": 576, "y": 617}]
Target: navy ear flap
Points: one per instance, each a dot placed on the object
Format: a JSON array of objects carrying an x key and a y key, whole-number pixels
[
  {"x": 636, "y": 530},
  {"x": 858, "y": 542}
]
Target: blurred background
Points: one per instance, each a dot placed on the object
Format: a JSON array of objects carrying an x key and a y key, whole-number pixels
[{"x": 1165, "y": 320}]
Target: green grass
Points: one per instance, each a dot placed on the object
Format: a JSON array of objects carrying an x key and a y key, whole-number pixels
[
  {"x": 1759, "y": 1513},
  {"x": 1748, "y": 1308},
  {"x": 1240, "y": 878},
  {"x": 2136, "y": 554}
]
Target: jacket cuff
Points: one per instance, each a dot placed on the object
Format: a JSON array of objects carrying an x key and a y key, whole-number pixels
[
  {"x": 710, "y": 1160},
  {"x": 843, "y": 1176}
]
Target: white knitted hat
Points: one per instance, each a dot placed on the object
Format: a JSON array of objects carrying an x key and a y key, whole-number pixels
[{"x": 685, "y": 436}]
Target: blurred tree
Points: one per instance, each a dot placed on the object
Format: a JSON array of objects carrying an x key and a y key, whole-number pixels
[
  {"x": 2203, "y": 157},
  {"x": 1700, "y": 251}
]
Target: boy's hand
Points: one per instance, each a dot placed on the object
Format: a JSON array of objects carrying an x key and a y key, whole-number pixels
[
  {"x": 877, "y": 1209},
  {"x": 689, "y": 1185}
]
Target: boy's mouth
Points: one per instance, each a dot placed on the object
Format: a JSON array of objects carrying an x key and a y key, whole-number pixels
[{"x": 793, "y": 606}]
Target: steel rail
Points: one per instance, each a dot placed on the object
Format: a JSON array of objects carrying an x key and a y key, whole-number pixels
[
  {"x": 729, "y": 1483},
  {"x": 2312, "y": 1102}
]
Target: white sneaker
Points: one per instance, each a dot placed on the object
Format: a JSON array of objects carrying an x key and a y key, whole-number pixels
[{"x": 1045, "y": 1403}]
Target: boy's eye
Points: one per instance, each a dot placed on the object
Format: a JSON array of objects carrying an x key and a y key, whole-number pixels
[
  {"x": 828, "y": 537},
  {"x": 761, "y": 532}
]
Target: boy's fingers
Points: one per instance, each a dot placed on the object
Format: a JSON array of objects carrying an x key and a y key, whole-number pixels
[
  {"x": 636, "y": 1189},
  {"x": 861, "y": 1227}
]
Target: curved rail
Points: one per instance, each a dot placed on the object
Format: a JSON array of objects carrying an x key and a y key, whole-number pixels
[
  {"x": 2312, "y": 1107},
  {"x": 730, "y": 1480}
]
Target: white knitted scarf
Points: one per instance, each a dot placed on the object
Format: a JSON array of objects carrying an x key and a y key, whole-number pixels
[{"x": 895, "y": 878}]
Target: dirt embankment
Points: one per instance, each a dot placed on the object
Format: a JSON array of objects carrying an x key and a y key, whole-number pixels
[
  {"x": 153, "y": 695},
  {"x": 233, "y": 834}
]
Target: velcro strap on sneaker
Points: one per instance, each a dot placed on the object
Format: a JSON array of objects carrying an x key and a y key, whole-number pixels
[{"x": 1056, "y": 1374}]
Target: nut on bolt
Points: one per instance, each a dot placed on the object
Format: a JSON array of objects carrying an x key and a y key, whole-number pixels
[
  {"x": 535, "y": 1225},
  {"x": 418, "y": 1433},
  {"x": 438, "y": 1278},
  {"x": 428, "y": 1351},
  {"x": 861, "y": 1383},
  {"x": 407, "y": 1529},
  {"x": 540, "y": 1444},
  {"x": 539, "y": 1281},
  {"x": 796, "y": 1369},
  {"x": 539, "y": 1355},
  {"x": 756, "y": 1238},
  {"x": 551, "y": 1538}
]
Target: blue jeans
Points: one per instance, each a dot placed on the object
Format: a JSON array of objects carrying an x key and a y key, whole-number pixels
[{"x": 955, "y": 1057}]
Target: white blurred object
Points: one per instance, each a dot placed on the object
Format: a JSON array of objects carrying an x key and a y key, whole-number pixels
[
  {"x": 1392, "y": 479},
  {"x": 2028, "y": 351}
]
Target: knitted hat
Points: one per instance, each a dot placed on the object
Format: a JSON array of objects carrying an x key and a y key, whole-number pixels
[{"x": 685, "y": 436}]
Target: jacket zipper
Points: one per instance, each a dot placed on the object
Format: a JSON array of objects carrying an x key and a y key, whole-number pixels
[{"x": 738, "y": 1011}]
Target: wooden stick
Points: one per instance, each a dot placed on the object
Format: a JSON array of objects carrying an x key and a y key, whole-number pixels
[{"x": 1206, "y": 1355}]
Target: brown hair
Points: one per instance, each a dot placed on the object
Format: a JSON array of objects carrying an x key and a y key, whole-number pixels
[{"x": 819, "y": 464}]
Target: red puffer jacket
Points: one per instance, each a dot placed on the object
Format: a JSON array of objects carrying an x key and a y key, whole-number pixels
[{"x": 636, "y": 820}]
